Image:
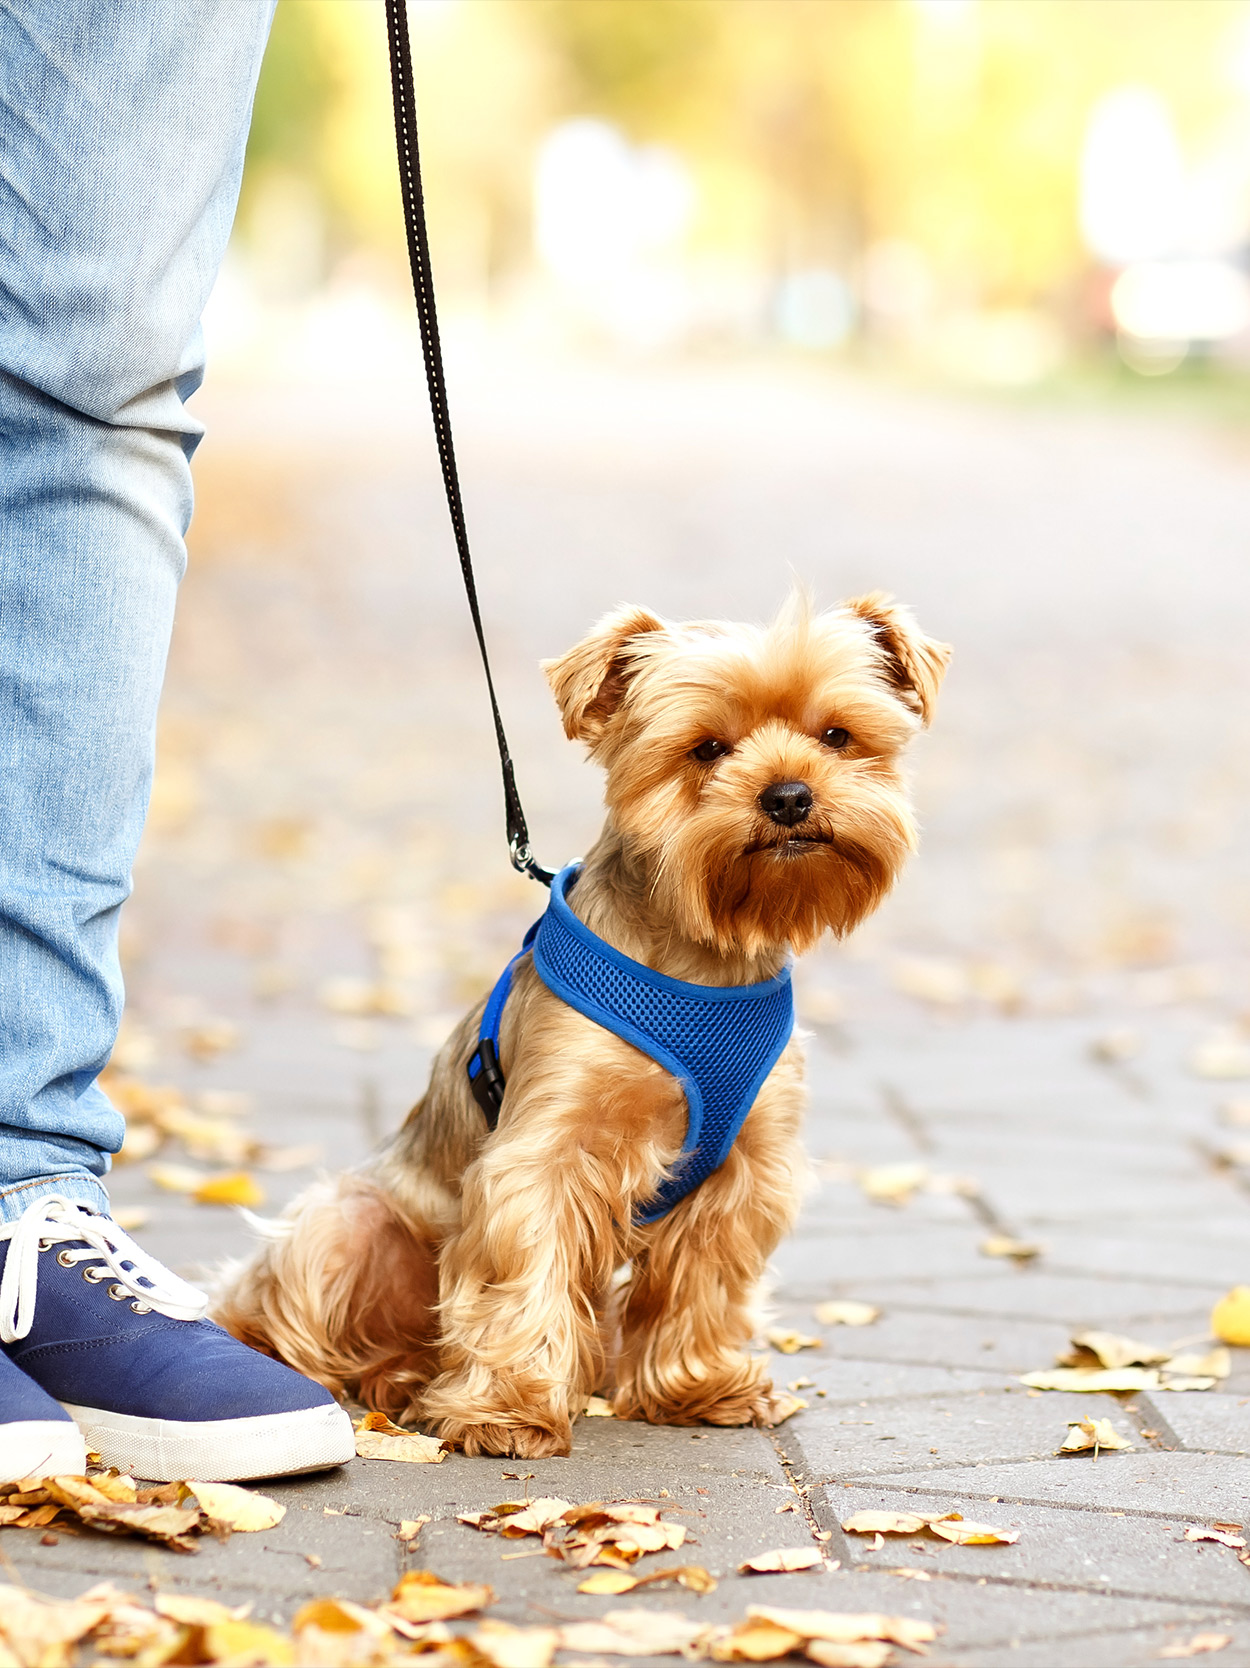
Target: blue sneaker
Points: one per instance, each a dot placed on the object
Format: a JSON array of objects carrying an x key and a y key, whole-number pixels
[
  {"x": 37, "y": 1437},
  {"x": 155, "y": 1388}
]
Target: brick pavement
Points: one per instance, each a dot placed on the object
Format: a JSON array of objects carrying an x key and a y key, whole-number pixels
[{"x": 1084, "y": 794}]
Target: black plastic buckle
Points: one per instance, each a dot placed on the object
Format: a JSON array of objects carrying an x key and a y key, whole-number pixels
[{"x": 488, "y": 1083}]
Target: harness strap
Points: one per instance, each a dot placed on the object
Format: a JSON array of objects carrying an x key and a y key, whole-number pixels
[
  {"x": 719, "y": 1042},
  {"x": 427, "y": 316}
]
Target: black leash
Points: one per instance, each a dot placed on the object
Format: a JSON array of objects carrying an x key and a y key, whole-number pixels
[{"x": 427, "y": 315}]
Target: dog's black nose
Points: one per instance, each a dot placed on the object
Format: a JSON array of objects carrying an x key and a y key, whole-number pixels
[{"x": 786, "y": 802}]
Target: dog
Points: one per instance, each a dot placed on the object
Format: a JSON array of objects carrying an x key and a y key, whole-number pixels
[{"x": 487, "y": 1281}]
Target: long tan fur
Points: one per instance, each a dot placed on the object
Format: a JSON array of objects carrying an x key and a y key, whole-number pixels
[{"x": 488, "y": 1283}]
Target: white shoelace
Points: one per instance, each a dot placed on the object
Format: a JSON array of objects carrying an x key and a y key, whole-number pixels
[{"x": 53, "y": 1220}]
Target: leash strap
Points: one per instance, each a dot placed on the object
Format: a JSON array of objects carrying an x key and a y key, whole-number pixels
[{"x": 427, "y": 316}]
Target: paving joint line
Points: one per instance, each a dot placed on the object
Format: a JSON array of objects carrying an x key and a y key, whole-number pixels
[{"x": 1021, "y": 1500}]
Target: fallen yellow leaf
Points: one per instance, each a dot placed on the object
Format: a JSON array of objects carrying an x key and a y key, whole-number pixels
[
  {"x": 892, "y": 1184},
  {"x": 783, "y": 1561},
  {"x": 175, "y": 1178},
  {"x": 755, "y": 1640},
  {"x": 781, "y": 1407},
  {"x": 598, "y": 1407},
  {"x": 1073, "y": 1378},
  {"x": 842, "y": 1628},
  {"x": 973, "y": 1534},
  {"x": 246, "y": 1643},
  {"x": 632, "y": 1633},
  {"x": 1230, "y": 1319},
  {"x": 410, "y": 1528},
  {"x": 1091, "y": 1350},
  {"x": 789, "y": 1343},
  {"x": 1225, "y": 1537},
  {"x": 1199, "y": 1645},
  {"x": 1092, "y": 1435},
  {"x": 844, "y": 1312},
  {"x": 1003, "y": 1245},
  {"x": 515, "y": 1647},
  {"x": 377, "y": 1438},
  {"x": 691, "y": 1576},
  {"x": 869, "y": 1654},
  {"x": 422, "y": 1596},
  {"x": 608, "y": 1581},
  {"x": 895, "y": 1523},
  {"x": 196, "y": 1612},
  {"x": 232, "y": 1507},
  {"x": 232, "y": 1187}
]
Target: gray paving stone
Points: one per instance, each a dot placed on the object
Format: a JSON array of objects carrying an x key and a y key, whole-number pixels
[
  {"x": 1208, "y": 1421},
  {"x": 978, "y": 1427},
  {"x": 927, "y": 1337},
  {"x": 1037, "y": 1293},
  {"x": 1095, "y": 1552},
  {"x": 1199, "y": 1487}
]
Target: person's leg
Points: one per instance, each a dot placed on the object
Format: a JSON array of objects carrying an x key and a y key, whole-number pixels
[{"x": 122, "y": 129}]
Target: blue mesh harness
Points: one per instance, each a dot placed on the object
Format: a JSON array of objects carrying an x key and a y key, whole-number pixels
[{"x": 719, "y": 1042}]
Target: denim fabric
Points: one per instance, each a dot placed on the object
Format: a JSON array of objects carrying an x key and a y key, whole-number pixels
[{"x": 122, "y": 130}]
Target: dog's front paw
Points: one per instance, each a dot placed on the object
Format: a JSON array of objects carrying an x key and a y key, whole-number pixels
[
  {"x": 741, "y": 1393},
  {"x": 508, "y": 1441}
]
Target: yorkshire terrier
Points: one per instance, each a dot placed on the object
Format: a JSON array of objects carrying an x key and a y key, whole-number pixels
[{"x": 489, "y": 1280}]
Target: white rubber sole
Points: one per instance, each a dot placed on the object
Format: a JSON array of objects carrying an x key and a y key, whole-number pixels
[
  {"x": 41, "y": 1448},
  {"x": 219, "y": 1450}
]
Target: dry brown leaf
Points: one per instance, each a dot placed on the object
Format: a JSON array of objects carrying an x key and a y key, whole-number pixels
[
  {"x": 1225, "y": 1537},
  {"x": 784, "y": 1560},
  {"x": 790, "y": 1342},
  {"x": 871, "y": 1654},
  {"x": 1110, "y": 1350},
  {"x": 632, "y": 1633},
  {"x": 754, "y": 1640},
  {"x": 1003, "y": 1245},
  {"x": 844, "y": 1312},
  {"x": 1073, "y": 1378},
  {"x": 842, "y": 1628},
  {"x": 598, "y": 1407},
  {"x": 515, "y": 1647},
  {"x": 781, "y": 1406},
  {"x": 231, "y": 1187},
  {"x": 377, "y": 1438},
  {"x": 40, "y": 1632},
  {"x": 334, "y": 1633},
  {"x": 171, "y": 1525},
  {"x": 410, "y": 1528},
  {"x": 1093, "y": 1436},
  {"x": 196, "y": 1612},
  {"x": 422, "y": 1596},
  {"x": 535, "y": 1518},
  {"x": 229, "y": 1507},
  {"x": 895, "y": 1523},
  {"x": 1199, "y": 1645}
]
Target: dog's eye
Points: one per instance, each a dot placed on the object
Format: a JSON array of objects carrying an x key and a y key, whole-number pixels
[
  {"x": 706, "y": 751},
  {"x": 835, "y": 738}
]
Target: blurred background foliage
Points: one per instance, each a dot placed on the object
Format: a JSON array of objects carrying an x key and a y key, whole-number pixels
[{"x": 957, "y": 183}]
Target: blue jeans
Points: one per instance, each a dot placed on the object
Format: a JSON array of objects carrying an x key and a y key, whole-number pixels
[{"x": 122, "y": 131}]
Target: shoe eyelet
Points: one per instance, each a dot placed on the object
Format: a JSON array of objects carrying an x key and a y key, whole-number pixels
[
  {"x": 141, "y": 1308},
  {"x": 94, "y": 1275},
  {"x": 65, "y": 1258},
  {"x": 119, "y": 1294}
]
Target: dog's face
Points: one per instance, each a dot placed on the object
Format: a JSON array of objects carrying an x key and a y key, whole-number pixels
[{"x": 756, "y": 772}]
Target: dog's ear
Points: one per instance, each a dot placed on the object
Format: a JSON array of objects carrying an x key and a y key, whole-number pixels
[
  {"x": 589, "y": 681},
  {"x": 914, "y": 663}
]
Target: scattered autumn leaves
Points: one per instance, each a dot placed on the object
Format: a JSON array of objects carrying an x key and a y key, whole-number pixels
[
  {"x": 1100, "y": 1362},
  {"x": 176, "y": 1515},
  {"x": 160, "y": 1120}
]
